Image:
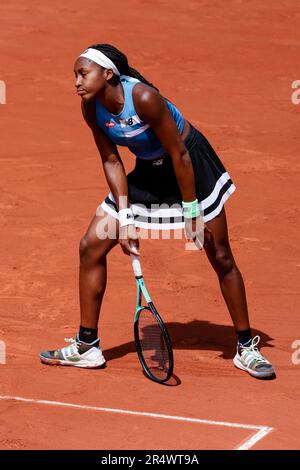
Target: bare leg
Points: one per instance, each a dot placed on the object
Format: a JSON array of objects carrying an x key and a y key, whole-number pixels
[
  {"x": 94, "y": 246},
  {"x": 219, "y": 253},
  {"x": 92, "y": 272}
]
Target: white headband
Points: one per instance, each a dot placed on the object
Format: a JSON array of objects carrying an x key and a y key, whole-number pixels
[{"x": 100, "y": 59}]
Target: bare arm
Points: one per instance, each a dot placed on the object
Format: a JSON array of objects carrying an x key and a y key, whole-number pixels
[
  {"x": 152, "y": 108},
  {"x": 115, "y": 176},
  {"x": 112, "y": 164}
]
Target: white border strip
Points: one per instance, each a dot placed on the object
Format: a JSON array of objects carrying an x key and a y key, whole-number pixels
[
  {"x": 209, "y": 200},
  {"x": 168, "y": 213},
  {"x": 218, "y": 209},
  {"x": 205, "y": 203},
  {"x": 160, "y": 211},
  {"x": 246, "y": 445},
  {"x": 262, "y": 431},
  {"x": 144, "y": 225}
]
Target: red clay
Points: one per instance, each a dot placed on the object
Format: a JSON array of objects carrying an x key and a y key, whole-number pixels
[{"x": 230, "y": 72}]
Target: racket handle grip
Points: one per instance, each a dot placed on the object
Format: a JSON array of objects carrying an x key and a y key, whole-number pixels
[{"x": 136, "y": 265}]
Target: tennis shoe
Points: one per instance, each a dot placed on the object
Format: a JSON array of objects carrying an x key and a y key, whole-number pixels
[
  {"x": 76, "y": 354},
  {"x": 249, "y": 358}
]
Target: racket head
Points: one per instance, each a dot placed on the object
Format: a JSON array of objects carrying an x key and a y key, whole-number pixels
[{"x": 153, "y": 344}]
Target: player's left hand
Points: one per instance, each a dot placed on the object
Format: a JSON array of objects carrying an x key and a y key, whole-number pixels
[{"x": 194, "y": 232}]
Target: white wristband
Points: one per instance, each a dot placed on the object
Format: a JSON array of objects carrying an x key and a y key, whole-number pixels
[{"x": 126, "y": 217}]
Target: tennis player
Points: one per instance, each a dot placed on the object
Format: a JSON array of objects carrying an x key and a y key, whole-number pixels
[{"x": 178, "y": 181}]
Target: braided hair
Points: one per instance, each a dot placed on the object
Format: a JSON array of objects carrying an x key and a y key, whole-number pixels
[{"x": 121, "y": 62}]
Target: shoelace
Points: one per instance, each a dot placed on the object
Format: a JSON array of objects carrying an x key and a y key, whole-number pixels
[
  {"x": 254, "y": 350},
  {"x": 73, "y": 342}
]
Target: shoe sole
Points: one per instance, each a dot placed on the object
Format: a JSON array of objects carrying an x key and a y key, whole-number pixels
[
  {"x": 253, "y": 373},
  {"x": 82, "y": 364}
]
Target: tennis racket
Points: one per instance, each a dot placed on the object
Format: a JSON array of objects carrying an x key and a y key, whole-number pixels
[{"x": 153, "y": 343}]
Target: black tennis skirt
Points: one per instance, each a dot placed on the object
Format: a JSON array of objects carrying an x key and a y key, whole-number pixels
[{"x": 154, "y": 195}]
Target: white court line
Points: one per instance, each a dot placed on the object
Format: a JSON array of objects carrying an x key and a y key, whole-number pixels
[{"x": 261, "y": 431}]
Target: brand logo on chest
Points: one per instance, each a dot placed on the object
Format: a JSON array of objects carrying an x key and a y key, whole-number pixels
[{"x": 131, "y": 121}]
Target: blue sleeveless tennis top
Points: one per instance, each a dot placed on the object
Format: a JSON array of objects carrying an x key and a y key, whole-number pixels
[{"x": 127, "y": 129}]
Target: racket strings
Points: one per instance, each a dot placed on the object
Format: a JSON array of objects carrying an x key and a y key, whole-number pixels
[{"x": 153, "y": 344}]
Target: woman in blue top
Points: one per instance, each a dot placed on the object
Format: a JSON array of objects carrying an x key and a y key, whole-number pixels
[{"x": 178, "y": 182}]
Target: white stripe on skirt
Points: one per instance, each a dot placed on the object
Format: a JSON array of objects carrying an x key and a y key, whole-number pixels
[{"x": 161, "y": 211}]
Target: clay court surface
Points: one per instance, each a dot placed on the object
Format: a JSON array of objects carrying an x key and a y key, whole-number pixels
[{"x": 229, "y": 67}]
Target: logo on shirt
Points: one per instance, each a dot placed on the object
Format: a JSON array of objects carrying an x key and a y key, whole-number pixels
[
  {"x": 158, "y": 162},
  {"x": 110, "y": 124},
  {"x": 130, "y": 121}
]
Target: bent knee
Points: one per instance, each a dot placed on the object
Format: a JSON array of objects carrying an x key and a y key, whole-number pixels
[
  {"x": 92, "y": 249},
  {"x": 88, "y": 250},
  {"x": 223, "y": 262},
  {"x": 84, "y": 247}
]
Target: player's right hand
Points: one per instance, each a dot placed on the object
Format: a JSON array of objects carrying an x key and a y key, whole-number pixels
[{"x": 129, "y": 240}]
